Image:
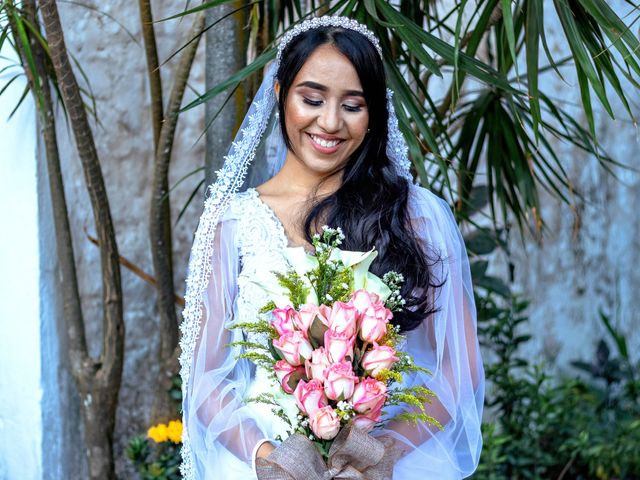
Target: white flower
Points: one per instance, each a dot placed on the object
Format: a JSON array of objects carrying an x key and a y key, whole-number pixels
[{"x": 301, "y": 262}]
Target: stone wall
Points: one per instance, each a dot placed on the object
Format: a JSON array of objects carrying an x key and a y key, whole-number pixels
[
  {"x": 107, "y": 43},
  {"x": 587, "y": 261}
]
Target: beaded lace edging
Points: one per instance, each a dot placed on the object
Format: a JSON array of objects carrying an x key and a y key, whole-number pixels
[{"x": 230, "y": 178}]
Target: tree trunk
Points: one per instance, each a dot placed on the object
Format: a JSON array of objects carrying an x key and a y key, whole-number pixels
[
  {"x": 98, "y": 381},
  {"x": 153, "y": 68},
  {"x": 224, "y": 57},
  {"x": 160, "y": 231}
]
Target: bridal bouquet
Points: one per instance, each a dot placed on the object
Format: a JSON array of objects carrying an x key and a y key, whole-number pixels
[{"x": 330, "y": 348}]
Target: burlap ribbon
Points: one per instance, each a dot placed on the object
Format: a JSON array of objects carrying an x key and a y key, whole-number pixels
[{"x": 354, "y": 455}]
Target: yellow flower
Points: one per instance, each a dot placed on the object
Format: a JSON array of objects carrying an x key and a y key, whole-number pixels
[
  {"x": 158, "y": 433},
  {"x": 174, "y": 431}
]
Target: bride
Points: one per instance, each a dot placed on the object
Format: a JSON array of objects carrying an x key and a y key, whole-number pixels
[{"x": 326, "y": 148}]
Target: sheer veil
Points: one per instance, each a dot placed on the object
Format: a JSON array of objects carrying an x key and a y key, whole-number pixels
[{"x": 445, "y": 343}]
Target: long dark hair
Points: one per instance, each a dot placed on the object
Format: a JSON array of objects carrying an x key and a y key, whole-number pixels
[{"x": 371, "y": 204}]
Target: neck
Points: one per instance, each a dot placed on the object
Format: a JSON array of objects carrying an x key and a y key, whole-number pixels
[{"x": 297, "y": 181}]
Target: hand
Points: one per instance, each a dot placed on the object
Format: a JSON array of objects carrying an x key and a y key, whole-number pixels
[
  {"x": 394, "y": 446},
  {"x": 265, "y": 450}
]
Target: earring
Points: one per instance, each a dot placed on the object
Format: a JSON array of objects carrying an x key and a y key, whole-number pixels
[{"x": 368, "y": 130}]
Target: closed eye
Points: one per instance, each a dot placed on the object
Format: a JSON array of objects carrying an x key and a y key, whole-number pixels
[
  {"x": 352, "y": 108},
  {"x": 313, "y": 103}
]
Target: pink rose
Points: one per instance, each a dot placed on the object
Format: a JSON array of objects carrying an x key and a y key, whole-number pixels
[
  {"x": 378, "y": 358},
  {"x": 325, "y": 423},
  {"x": 343, "y": 318},
  {"x": 288, "y": 374},
  {"x": 325, "y": 312},
  {"x": 307, "y": 313},
  {"x": 316, "y": 365},
  {"x": 368, "y": 421},
  {"x": 285, "y": 319},
  {"x": 369, "y": 396},
  {"x": 293, "y": 347},
  {"x": 361, "y": 300},
  {"x": 339, "y": 381},
  {"x": 310, "y": 396},
  {"x": 338, "y": 345},
  {"x": 373, "y": 323}
]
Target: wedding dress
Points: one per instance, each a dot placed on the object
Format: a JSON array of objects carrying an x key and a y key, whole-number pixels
[
  {"x": 224, "y": 430},
  {"x": 238, "y": 237}
]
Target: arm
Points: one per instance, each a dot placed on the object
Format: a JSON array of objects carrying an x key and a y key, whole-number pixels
[
  {"x": 446, "y": 343},
  {"x": 222, "y": 429}
]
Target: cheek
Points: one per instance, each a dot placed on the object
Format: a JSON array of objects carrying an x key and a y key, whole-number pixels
[
  {"x": 359, "y": 127},
  {"x": 296, "y": 118}
]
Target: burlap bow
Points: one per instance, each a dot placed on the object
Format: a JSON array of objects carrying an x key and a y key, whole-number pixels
[{"x": 354, "y": 455}]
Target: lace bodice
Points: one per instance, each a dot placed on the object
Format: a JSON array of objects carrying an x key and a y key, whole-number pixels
[{"x": 261, "y": 241}]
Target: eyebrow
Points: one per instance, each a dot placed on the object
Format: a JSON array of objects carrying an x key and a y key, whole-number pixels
[{"x": 322, "y": 88}]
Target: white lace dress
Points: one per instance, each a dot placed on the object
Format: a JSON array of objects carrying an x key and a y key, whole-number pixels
[{"x": 223, "y": 431}]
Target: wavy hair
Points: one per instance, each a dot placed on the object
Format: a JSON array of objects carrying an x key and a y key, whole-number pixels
[{"x": 371, "y": 204}]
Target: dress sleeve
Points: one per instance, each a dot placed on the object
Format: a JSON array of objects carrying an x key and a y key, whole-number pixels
[
  {"x": 222, "y": 429},
  {"x": 446, "y": 343}
]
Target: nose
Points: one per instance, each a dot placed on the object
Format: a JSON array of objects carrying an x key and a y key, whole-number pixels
[{"x": 330, "y": 118}]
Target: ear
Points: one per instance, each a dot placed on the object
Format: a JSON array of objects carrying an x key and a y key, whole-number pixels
[{"x": 276, "y": 88}]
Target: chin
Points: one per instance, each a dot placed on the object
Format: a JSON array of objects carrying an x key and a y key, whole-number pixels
[{"x": 323, "y": 166}]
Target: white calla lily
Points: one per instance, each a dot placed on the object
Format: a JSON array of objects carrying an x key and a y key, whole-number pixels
[
  {"x": 301, "y": 262},
  {"x": 268, "y": 282},
  {"x": 362, "y": 277},
  {"x": 374, "y": 284}
]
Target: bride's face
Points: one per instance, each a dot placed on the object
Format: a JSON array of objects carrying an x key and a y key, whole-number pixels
[{"x": 326, "y": 114}]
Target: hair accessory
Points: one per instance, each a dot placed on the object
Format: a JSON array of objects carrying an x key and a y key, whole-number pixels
[{"x": 328, "y": 21}]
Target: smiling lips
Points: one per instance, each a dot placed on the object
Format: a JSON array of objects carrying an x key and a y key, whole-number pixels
[{"x": 325, "y": 145}]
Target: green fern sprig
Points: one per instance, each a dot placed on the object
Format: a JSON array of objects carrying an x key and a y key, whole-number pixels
[
  {"x": 388, "y": 376},
  {"x": 340, "y": 285},
  {"x": 416, "y": 418},
  {"x": 260, "y": 326},
  {"x": 298, "y": 290},
  {"x": 393, "y": 337},
  {"x": 260, "y": 359},
  {"x": 268, "y": 307},
  {"x": 266, "y": 398},
  {"x": 246, "y": 345},
  {"x": 406, "y": 364}
]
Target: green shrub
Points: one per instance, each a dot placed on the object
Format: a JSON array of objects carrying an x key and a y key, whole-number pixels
[{"x": 587, "y": 427}]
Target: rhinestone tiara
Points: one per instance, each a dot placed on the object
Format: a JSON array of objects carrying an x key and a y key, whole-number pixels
[{"x": 327, "y": 21}]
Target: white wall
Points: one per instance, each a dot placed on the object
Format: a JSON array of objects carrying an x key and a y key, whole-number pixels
[
  {"x": 588, "y": 259},
  {"x": 20, "y": 392}
]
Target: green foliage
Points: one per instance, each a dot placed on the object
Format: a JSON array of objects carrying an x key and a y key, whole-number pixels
[
  {"x": 331, "y": 280},
  {"x": 270, "y": 306},
  {"x": 159, "y": 461},
  {"x": 261, "y": 326},
  {"x": 495, "y": 120},
  {"x": 548, "y": 428},
  {"x": 293, "y": 282},
  {"x": 175, "y": 393}
]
